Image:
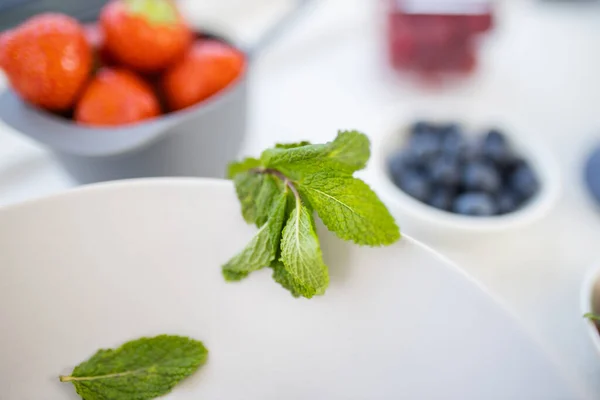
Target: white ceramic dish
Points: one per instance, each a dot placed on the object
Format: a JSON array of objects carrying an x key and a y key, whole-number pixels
[
  {"x": 394, "y": 137},
  {"x": 590, "y": 302},
  {"x": 101, "y": 265}
]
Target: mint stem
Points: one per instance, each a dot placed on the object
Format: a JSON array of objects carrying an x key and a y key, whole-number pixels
[{"x": 278, "y": 174}]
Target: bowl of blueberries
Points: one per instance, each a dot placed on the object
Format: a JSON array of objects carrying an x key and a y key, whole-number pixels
[{"x": 467, "y": 177}]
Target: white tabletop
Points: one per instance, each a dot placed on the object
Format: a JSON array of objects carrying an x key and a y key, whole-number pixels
[{"x": 328, "y": 73}]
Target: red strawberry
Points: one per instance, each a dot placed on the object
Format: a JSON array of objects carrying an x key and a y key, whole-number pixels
[
  {"x": 207, "y": 67},
  {"x": 3, "y": 41},
  {"x": 116, "y": 97},
  {"x": 96, "y": 39},
  {"x": 47, "y": 60},
  {"x": 146, "y": 35}
]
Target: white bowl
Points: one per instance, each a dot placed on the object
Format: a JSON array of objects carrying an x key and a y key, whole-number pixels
[
  {"x": 394, "y": 137},
  {"x": 590, "y": 302},
  {"x": 97, "y": 266}
]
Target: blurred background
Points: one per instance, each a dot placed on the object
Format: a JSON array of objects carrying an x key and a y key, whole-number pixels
[{"x": 526, "y": 67}]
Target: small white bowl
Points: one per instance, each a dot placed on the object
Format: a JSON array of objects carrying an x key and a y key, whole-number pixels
[
  {"x": 590, "y": 302},
  {"x": 405, "y": 206}
]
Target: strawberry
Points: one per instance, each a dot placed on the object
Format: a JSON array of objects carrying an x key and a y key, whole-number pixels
[
  {"x": 206, "y": 68},
  {"x": 47, "y": 60},
  {"x": 95, "y": 37},
  {"x": 116, "y": 97},
  {"x": 3, "y": 41},
  {"x": 146, "y": 35}
]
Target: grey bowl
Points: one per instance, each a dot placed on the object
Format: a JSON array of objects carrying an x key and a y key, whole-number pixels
[{"x": 198, "y": 141}]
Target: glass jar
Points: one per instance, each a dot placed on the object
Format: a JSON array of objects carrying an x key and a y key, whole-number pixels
[{"x": 436, "y": 36}]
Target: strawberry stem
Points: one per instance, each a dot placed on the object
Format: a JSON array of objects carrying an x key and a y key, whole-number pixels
[{"x": 155, "y": 11}]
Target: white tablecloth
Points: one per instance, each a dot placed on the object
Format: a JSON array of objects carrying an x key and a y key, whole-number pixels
[{"x": 541, "y": 68}]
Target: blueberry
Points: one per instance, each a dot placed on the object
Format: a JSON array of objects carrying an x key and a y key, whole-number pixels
[
  {"x": 424, "y": 146},
  {"x": 496, "y": 148},
  {"x": 399, "y": 161},
  {"x": 472, "y": 152},
  {"x": 523, "y": 181},
  {"x": 592, "y": 174},
  {"x": 414, "y": 184},
  {"x": 421, "y": 127},
  {"x": 507, "y": 202},
  {"x": 480, "y": 176},
  {"x": 445, "y": 170},
  {"x": 495, "y": 136},
  {"x": 511, "y": 166},
  {"x": 442, "y": 198},
  {"x": 453, "y": 142},
  {"x": 475, "y": 204},
  {"x": 450, "y": 128}
]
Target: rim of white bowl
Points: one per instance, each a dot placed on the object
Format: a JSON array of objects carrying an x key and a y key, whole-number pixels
[
  {"x": 587, "y": 303},
  {"x": 537, "y": 154}
]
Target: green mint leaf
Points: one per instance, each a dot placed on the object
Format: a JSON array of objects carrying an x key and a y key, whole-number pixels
[
  {"x": 242, "y": 166},
  {"x": 312, "y": 177},
  {"x": 592, "y": 317},
  {"x": 268, "y": 193},
  {"x": 234, "y": 276},
  {"x": 247, "y": 187},
  {"x": 142, "y": 369},
  {"x": 263, "y": 247},
  {"x": 350, "y": 209},
  {"x": 351, "y": 150},
  {"x": 281, "y": 276},
  {"x": 301, "y": 251},
  {"x": 291, "y": 145},
  {"x": 348, "y": 153}
]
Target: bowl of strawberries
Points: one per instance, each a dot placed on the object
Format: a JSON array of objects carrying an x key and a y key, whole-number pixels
[{"x": 138, "y": 93}]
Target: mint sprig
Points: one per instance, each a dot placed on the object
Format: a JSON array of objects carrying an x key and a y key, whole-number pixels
[
  {"x": 592, "y": 317},
  {"x": 280, "y": 192},
  {"x": 142, "y": 369}
]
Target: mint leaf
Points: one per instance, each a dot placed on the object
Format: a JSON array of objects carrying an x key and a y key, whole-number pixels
[
  {"x": 267, "y": 194},
  {"x": 281, "y": 276},
  {"x": 242, "y": 166},
  {"x": 291, "y": 145},
  {"x": 262, "y": 249},
  {"x": 142, "y": 369},
  {"x": 348, "y": 153},
  {"x": 234, "y": 276},
  {"x": 592, "y": 317},
  {"x": 350, "y": 209},
  {"x": 247, "y": 187},
  {"x": 351, "y": 150},
  {"x": 281, "y": 191},
  {"x": 301, "y": 251}
]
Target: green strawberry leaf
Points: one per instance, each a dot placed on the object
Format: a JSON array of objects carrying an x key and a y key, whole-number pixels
[
  {"x": 158, "y": 12},
  {"x": 350, "y": 209},
  {"x": 142, "y": 369}
]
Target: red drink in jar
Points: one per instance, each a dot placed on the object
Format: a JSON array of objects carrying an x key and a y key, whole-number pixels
[{"x": 436, "y": 36}]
